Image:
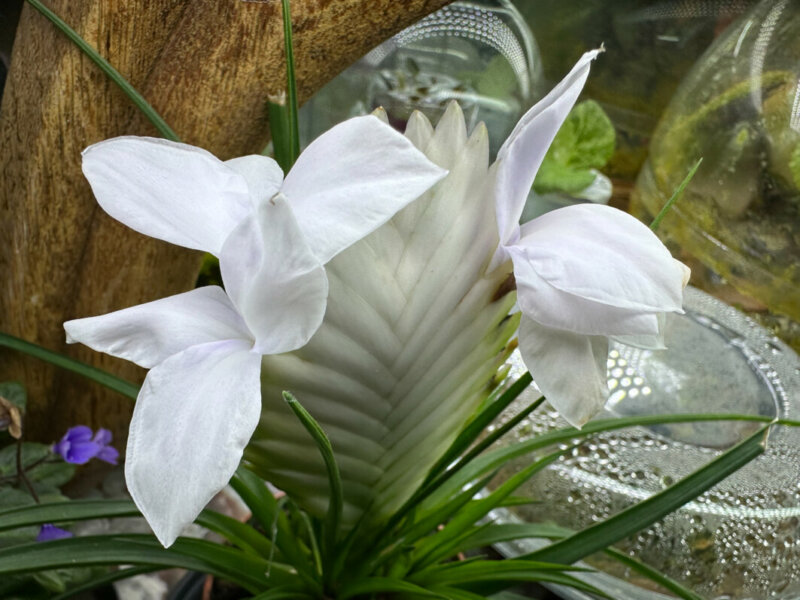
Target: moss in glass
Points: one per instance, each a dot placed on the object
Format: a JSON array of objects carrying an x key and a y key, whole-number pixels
[{"x": 738, "y": 224}]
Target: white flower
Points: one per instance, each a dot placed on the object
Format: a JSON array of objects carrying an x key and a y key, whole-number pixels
[
  {"x": 584, "y": 274},
  {"x": 201, "y": 400}
]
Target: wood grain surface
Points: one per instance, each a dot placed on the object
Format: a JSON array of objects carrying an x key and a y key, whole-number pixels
[{"x": 208, "y": 67}]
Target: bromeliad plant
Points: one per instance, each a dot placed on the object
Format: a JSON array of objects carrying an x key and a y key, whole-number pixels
[{"x": 376, "y": 282}]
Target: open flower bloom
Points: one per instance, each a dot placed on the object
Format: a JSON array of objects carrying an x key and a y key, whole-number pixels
[
  {"x": 201, "y": 399},
  {"x": 78, "y": 446},
  {"x": 584, "y": 274}
]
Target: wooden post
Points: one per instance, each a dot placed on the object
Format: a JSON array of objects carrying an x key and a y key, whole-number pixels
[{"x": 208, "y": 67}]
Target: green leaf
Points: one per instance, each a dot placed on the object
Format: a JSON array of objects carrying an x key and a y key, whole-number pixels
[
  {"x": 239, "y": 534},
  {"x": 334, "y": 515},
  {"x": 114, "y": 75},
  {"x": 282, "y": 592},
  {"x": 15, "y": 393},
  {"x": 473, "y": 430},
  {"x": 383, "y": 585},
  {"x": 197, "y": 555},
  {"x": 59, "y": 512},
  {"x": 105, "y": 579},
  {"x": 441, "y": 544},
  {"x": 496, "y": 458},
  {"x": 647, "y": 512},
  {"x": 283, "y": 114},
  {"x": 89, "y": 372},
  {"x": 675, "y": 195},
  {"x": 50, "y": 476},
  {"x": 255, "y": 494},
  {"x": 478, "y": 425},
  {"x": 452, "y": 593},
  {"x": 512, "y": 569},
  {"x": 498, "y": 79},
  {"x": 653, "y": 575},
  {"x": 496, "y": 533},
  {"x": 584, "y": 142},
  {"x": 235, "y": 532},
  {"x": 31, "y": 452}
]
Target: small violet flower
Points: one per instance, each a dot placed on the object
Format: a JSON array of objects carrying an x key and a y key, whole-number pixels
[
  {"x": 49, "y": 532},
  {"x": 584, "y": 274},
  {"x": 78, "y": 446},
  {"x": 201, "y": 399}
]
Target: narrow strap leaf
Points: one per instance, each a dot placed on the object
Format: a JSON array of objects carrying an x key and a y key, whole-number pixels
[
  {"x": 440, "y": 545},
  {"x": 58, "y": 512},
  {"x": 653, "y": 575},
  {"x": 478, "y": 425},
  {"x": 114, "y": 75},
  {"x": 235, "y": 532},
  {"x": 104, "y": 378},
  {"x": 494, "y": 533},
  {"x": 383, "y": 585},
  {"x": 496, "y": 458},
  {"x": 283, "y": 112},
  {"x": 255, "y": 494},
  {"x": 675, "y": 196},
  {"x": 334, "y": 516},
  {"x": 647, "y": 512},
  {"x": 283, "y": 592},
  {"x": 197, "y": 555},
  {"x": 105, "y": 579},
  {"x": 467, "y": 437}
]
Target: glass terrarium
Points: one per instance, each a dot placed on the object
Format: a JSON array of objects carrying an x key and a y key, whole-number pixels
[
  {"x": 478, "y": 52},
  {"x": 738, "y": 224},
  {"x": 738, "y": 541},
  {"x": 650, "y": 44}
]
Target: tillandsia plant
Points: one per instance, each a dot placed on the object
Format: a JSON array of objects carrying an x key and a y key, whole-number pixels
[{"x": 355, "y": 357}]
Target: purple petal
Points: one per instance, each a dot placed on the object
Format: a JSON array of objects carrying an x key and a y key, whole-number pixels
[
  {"x": 79, "y": 433},
  {"x": 102, "y": 437},
  {"x": 50, "y": 532},
  {"x": 81, "y": 453},
  {"x": 108, "y": 454}
]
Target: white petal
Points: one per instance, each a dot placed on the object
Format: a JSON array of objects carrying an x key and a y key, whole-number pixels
[
  {"x": 647, "y": 342},
  {"x": 173, "y": 192},
  {"x": 602, "y": 255},
  {"x": 263, "y": 175},
  {"x": 194, "y": 415},
  {"x": 570, "y": 369},
  {"x": 521, "y": 155},
  {"x": 275, "y": 281},
  {"x": 353, "y": 179},
  {"x": 149, "y": 333}
]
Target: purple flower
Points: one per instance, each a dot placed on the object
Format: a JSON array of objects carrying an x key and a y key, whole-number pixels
[
  {"x": 79, "y": 447},
  {"x": 50, "y": 532},
  {"x": 107, "y": 452}
]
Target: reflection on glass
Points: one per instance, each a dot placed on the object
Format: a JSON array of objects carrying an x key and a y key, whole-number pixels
[
  {"x": 738, "y": 541},
  {"x": 738, "y": 225},
  {"x": 478, "y": 52}
]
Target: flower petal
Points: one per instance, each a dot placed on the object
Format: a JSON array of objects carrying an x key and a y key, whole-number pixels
[
  {"x": 521, "y": 155},
  {"x": 546, "y": 304},
  {"x": 263, "y": 175},
  {"x": 278, "y": 285},
  {"x": 49, "y": 532},
  {"x": 149, "y": 333},
  {"x": 353, "y": 179},
  {"x": 194, "y": 415},
  {"x": 170, "y": 191},
  {"x": 602, "y": 255},
  {"x": 569, "y": 368}
]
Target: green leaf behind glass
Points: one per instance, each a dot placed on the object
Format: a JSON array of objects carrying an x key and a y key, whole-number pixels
[{"x": 584, "y": 142}]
